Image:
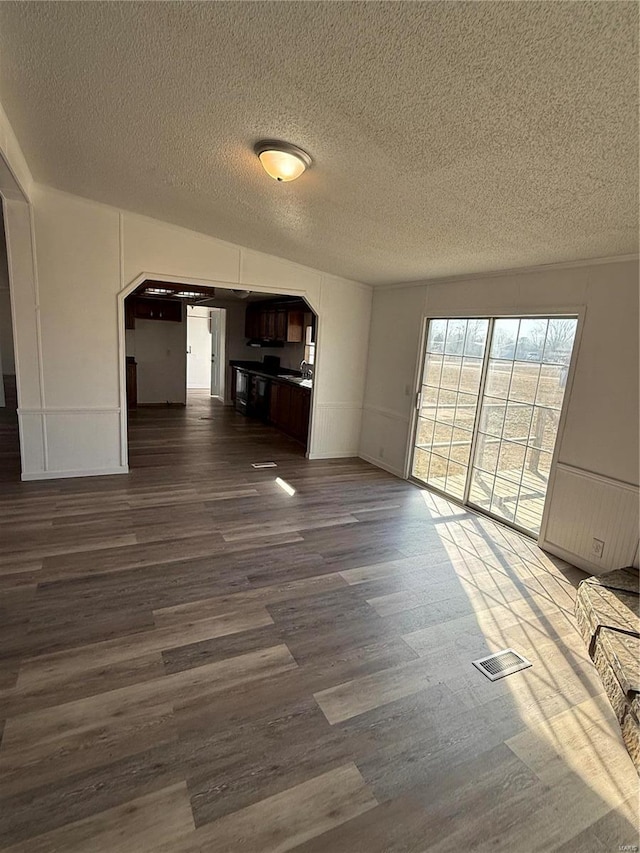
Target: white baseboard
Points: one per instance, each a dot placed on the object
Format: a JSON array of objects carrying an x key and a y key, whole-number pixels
[
  {"x": 59, "y": 475},
  {"x": 340, "y": 454},
  {"x": 380, "y": 464},
  {"x": 574, "y": 559}
]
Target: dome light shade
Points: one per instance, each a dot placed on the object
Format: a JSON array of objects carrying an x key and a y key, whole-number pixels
[{"x": 282, "y": 161}]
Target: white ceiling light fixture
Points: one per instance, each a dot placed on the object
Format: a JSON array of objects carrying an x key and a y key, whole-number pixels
[{"x": 281, "y": 160}]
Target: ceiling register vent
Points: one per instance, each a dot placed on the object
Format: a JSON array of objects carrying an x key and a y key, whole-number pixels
[{"x": 501, "y": 663}]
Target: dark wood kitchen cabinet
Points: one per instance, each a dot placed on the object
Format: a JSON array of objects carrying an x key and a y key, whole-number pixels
[
  {"x": 270, "y": 322},
  {"x": 289, "y": 408},
  {"x": 152, "y": 309}
]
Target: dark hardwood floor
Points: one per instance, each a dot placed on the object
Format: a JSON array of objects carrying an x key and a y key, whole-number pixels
[{"x": 194, "y": 660}]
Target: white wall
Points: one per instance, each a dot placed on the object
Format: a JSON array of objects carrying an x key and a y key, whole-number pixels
[
  {"x": 198, "y": 348},
  {"x": 88, "y": 256},
  {"x": 160, "y": 351},
  {"x": 601, "y": 432}
]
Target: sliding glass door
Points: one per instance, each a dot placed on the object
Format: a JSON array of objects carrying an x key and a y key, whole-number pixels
[{"x": 489, "y": 410}]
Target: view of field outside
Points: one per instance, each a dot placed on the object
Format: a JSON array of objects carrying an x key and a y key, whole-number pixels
[{"x": 509, "y": 462}]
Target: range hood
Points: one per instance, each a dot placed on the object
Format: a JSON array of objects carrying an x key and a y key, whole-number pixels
[{"x": 263, "y": 342}]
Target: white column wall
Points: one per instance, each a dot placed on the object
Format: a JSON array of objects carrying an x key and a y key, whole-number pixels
[{"x": 88, "y": 257}]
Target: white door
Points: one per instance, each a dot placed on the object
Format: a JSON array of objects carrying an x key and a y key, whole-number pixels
[{"x": 198, "y": 348}]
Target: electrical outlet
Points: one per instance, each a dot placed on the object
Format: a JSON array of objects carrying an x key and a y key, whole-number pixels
[{"x": 597, "y": 548}]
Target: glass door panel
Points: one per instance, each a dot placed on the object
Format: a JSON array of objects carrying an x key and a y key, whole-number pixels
[
  {"x": 520, "y": 413},
  {"x": 448, "y": 407},
  {"x": 488, "y": 417}
]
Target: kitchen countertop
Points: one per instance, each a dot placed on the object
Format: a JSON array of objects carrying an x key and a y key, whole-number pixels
[{"x": 284, "y": 375}]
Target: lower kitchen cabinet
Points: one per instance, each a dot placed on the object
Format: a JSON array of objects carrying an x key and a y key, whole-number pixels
[{"x": 289, "y": 409}]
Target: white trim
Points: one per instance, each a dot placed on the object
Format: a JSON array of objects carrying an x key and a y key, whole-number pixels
[
  {"x": 334, "y": 454},
  {"x": 372, "y": 460},
  {"x": 93, "y": 472},
  {"x": 341, "y": 405},
  {"x": 559, "y": 265},
  {"x": 571, "y": 558},
  {"x": 599, "y": 478},
  {"x": 62, "y": 410},
  {"x": 392, "y": 414}
]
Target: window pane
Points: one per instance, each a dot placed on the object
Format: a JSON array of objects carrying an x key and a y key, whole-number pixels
[
  {"x": 505, "y": 335},
  {"x": 421, "y": 459},
  {"x": 504, "y": 498},
  {"x": 544, "y": 428},
  {"x": 553, "y": 379},
  {"x": 456, "y": 330},
  {"x": 456, "y": 477},
  {"x": 470, "y": 375},
  {"x": 460, "y": 446},
  {"x": 560, "y": 337},
  {"x": 492, "y": 416},
  {"x": 442, "y": 439},
  {"x": 481, "y": 489},
  {"x": 451, "y": 372},
  {"x": 446, "y": 406},
  {"x": 537, "y": 467},
  {"x": 524, "y": 382},
  {"x": 466, "y": 411},
  {"x": 531, "y": 338},
  {"x": 476, "y": 337},
  {"x": 437, "y": 333},
  {"x": 429, "y": 402},
  {"x": 424, "y": 434},
  {"x": 498, "y": 378},
  {"x": 511, "y": 461},
  {"x": 487, "y": 450},
  {"x": 438, "y": 472},
  {"x": 432, "y": 370},
  {"x": 517, "y": 422}
]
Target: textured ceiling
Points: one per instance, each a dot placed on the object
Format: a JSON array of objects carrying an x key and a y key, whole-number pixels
[{"x": 447, "y": 137}]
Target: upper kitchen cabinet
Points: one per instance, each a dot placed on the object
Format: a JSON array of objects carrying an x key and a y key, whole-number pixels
[
  {"x": 151, "y": 309},
  {"x": 269, "y": 321}
]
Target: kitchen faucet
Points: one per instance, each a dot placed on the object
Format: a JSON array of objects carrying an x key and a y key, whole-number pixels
[{"x": 306, "y": 370}]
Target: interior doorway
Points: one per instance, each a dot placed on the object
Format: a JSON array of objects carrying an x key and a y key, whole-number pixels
[
  {"x": 205, "y": 349},
  {"x": 247, "y": 357},
  {"x": 489, "y": 410}
]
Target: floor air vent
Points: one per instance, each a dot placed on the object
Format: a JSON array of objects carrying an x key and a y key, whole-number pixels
[
  {"x": 502, "y": 663},
  {"x": 264, "y": 465}
]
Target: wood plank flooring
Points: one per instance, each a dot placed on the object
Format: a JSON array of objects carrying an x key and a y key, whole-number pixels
[{"x": 193, "y": 660}]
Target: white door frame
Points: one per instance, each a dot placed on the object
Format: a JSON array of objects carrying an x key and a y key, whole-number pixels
[{"x": 578, "y": 311}]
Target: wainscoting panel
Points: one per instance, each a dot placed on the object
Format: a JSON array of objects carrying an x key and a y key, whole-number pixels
[
  {"x": 384, "y": 438},
  {"x": 335, "y": 430},
  {"x": 70, "y": 442},
  {"x": 584, "y": 506}
]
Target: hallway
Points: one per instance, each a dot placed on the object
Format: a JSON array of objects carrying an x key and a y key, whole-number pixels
[{"x": 195, "y": 660}]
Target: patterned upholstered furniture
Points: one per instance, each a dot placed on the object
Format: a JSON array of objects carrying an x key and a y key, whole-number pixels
[{"x": 608, "y": 618}]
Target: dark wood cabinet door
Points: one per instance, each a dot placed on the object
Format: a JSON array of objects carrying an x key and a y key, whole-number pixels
[
  {"x": 252, "y": 322},
  {"x": 284, "y": 408},
  {"x": 299, "y": 418},
  {"x": 158, "y": 309},
  {"x": 295, "y": 327},
  {"x": 281, "y": 324}
]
